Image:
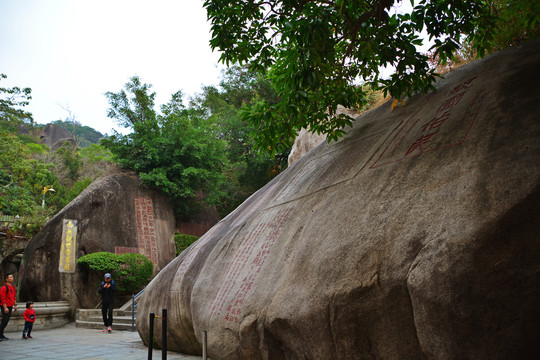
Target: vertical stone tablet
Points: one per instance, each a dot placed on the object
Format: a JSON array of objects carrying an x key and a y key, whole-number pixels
[{"x": 68, "y": 246}]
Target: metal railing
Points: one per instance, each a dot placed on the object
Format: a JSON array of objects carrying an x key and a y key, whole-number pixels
[{"x": 134, "y": 305}]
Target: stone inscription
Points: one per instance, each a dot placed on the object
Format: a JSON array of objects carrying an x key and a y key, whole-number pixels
[
  {"x": 68, "y": 247},
  {"x": 459, "y": 108},
  {"x": 246, "y": 264},
  {"x": 146, "y": 235}
]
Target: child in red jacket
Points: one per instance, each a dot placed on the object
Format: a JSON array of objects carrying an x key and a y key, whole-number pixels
[{"x": 29, "y": 316}]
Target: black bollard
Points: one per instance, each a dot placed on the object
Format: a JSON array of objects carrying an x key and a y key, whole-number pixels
[
  {"x": 204, "y": 344},
  {"x": 164, "y": 334},
  {"x": 151, "y": 336}
]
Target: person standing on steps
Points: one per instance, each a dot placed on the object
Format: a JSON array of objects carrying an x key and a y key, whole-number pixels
[
  {"x": 107, "y": 289},
  {"x": 8, "y": 298}
]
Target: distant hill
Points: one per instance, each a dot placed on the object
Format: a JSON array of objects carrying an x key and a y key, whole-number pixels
[{"x": 85, "y": 135}]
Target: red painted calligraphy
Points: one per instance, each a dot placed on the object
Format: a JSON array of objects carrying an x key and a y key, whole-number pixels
[
  {"x": 436, "y": 122},
  {"x": 450, "y": 103},
  {"x": 464, "y": 85},
  {"x": 417, "y": 136},
  {"x": 421, "y": 143},
  {"x": 146, "y": 235},
  {"x": 246, "y": 264}
]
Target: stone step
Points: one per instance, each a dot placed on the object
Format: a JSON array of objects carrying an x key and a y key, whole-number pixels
[
  {"x": 119, "y": 318},
  {"x": 86, "y": 314},
  {"x": 98, "y": 325}
]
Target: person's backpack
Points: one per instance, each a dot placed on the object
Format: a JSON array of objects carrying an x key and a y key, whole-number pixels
[{"x": 7, "y": 289}]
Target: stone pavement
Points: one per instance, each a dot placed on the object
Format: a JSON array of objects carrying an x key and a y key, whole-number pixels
[{"x": 71, "y": 343}]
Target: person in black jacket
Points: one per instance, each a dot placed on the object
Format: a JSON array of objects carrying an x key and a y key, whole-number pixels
[{"x": 107, "y": 289}]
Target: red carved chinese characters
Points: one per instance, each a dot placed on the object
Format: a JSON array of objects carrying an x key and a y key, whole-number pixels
[
  {"x": 245, "y": 266},
  {"x": 436, "y": 122},
  {"x": 422, "y": 143},
  {"x": 146, "y": 235},
  {"x": 465, "y": 85},
  {"x": 450, "y": 103}
]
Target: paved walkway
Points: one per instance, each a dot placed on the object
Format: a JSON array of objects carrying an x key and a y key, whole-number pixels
[{"x": 71, "y": 343}]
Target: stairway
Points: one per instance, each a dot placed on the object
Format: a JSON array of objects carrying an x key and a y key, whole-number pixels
[
  {"x": 92, "y": 319},
  {"x": 122, "y": 317}
]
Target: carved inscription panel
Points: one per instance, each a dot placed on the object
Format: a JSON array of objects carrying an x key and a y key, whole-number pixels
[
  {"x": 146, "y": 234},
  {"x": 242, "y": 272},
  {"x": 446, "y": 126},
  {"x": 68, "y": 249}
]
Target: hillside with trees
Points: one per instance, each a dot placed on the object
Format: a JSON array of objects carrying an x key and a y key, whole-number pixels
[
  {"x": 85, "y": 135},
  {"x": 35, "y": 181},
  {"x": 198, "y": 151}
]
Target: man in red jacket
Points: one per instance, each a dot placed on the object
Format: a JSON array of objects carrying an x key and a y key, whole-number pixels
[{"x": 8, "y": 297}]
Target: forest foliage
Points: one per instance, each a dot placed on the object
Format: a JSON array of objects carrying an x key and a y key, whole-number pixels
[
  {"x": 321, "y": 54},
  {"x": 198, "y": 151}
]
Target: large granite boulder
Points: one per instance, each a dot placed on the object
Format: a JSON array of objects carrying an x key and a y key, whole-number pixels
[
  {"x": 54, "y": 136},
  {"x": 304, "y": 143},
  {"x": 414, "y": 237},
  {"x": 307, "y": 140},
  {"x": 115, "y": 214}
]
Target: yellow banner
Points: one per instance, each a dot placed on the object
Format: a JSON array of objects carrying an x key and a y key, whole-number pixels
[{"x": 69, "y": 247}]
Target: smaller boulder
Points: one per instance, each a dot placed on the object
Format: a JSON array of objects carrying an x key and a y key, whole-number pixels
[{"x": 114, "y": 214}]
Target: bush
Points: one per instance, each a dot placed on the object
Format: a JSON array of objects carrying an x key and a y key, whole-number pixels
[
  {"x": 130, "y": 271},
  {"x": 183, "y": 241},
  {"x": 102, "y": 262},
  {"x": 134, "y": 273}
]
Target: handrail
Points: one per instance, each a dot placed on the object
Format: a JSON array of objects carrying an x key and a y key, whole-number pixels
[
  {"x": 133, "y": 306},
  {"x": 140, "y": 292}
]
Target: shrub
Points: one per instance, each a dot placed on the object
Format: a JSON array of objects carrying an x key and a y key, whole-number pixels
[
  {"x": 134, "y": 273},
  {"x": 102, "y": 262},
  {"x": 130, "y": 271},
  {"x": 183, "y": 241}
]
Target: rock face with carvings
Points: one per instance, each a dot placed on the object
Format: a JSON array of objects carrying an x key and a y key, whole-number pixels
[
  {"x": 416, "y": 236},
  {"x": 114, "y": 214}
]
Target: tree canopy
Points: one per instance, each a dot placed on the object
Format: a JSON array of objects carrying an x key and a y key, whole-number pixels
[
  {"x": 317, "y": 53},
  {"x": 247, "y": 170},
  {"x": 175, "y": 151},
  {"x": 12, "y": 100}
]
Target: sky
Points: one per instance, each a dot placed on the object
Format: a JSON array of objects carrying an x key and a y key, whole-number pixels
[{"x": 71, "y": 52}]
